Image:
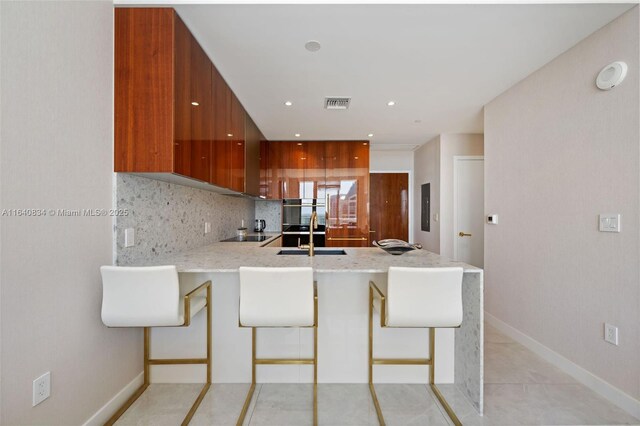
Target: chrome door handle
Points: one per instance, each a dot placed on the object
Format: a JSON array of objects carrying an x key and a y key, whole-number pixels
[{"x": 462, "y": 234}]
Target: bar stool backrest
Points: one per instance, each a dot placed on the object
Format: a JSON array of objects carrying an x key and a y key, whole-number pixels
[
  {"x": 424, "y": 297},
  {"x": 140, "y": 296},
  {"x": 276, "y": 297}
]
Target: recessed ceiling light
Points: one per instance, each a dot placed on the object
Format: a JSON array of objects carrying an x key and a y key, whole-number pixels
[
  {"x": 194, "y": 103},
  {"x": 370, "y": 135},
  {"x": 391, "y": 103},
  {"x": 297, "y": 135},
  {"x": 230, "y": 134},
  {"x": 312, "y": 46},
  {"x": 288, "y": 103}
]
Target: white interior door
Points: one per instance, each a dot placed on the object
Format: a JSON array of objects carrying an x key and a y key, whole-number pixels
[{"x": 468, "y": 210}]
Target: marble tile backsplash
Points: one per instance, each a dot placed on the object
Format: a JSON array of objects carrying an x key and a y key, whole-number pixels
[
  {"x": 170, "y": 218},
  {"x": 271, "y": 212}
]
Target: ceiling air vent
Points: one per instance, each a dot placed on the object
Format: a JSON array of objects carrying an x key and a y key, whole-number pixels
[{"x": 337, "y": 103}]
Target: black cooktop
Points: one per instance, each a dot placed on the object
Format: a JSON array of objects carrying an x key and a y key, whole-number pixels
[{"x": 248, "y": 238}]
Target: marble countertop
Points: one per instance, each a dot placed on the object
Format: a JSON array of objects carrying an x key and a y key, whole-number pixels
[{"x": 228, "y": 257}]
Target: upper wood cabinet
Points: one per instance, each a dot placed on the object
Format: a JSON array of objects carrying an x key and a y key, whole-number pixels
[
  {"x": 148, "y": 93},
  {"x": 253, "y": 149},
  {"x": 174, "y": 113},
  {"x": 347, "y": 192}
]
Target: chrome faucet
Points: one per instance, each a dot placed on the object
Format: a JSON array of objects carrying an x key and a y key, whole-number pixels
[{"x": 313, "y": 224}]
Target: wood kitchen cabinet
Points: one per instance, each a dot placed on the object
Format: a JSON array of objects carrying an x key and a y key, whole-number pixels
[
  {"x": 286, "y": 169},
  {"x": 254, "y": 143},
  {"x": 237, "y": 149},
  {"x": 201, "y": 114},
  {"x": 174, "y": 113},
  {"x": 293, "y": 169},
  {"x": 347, "y": 192},
  {"x": 314, "y": 185}
]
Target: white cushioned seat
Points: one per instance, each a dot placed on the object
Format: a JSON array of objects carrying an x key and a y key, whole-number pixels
[
  {"x": 276, "y": 297},
  {"x": 144, "y": 297},
  {"x": 424, "y": 297}
]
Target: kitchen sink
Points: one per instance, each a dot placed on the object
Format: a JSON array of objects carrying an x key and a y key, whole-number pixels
[{"x": 318, "y": 252}]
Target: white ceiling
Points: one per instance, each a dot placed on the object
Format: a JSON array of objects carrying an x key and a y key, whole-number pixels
[{"x": 440, "y": 63}]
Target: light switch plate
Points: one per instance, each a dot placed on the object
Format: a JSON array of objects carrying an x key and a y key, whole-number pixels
[
  {"x": 207, "y": 227},
  {"x": 129, "y": 237},
  {"x": 609, "y": 222}
]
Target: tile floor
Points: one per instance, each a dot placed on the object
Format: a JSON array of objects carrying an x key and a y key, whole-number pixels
[{"x": 520, "y": 389}]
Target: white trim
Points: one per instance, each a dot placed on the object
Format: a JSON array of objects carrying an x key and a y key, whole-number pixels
[
  {"x": 411, "y": 195},
  {"x": 457, "y": 158},
  {"x": 103, "y": 414},
  {"x": 593, "y": 382}
]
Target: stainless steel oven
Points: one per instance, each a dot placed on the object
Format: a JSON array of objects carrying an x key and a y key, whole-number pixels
[{"x": 296, "y": 214}]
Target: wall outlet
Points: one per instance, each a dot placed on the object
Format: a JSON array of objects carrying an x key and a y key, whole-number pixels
[
  {"x": 129, "y": 237},
  {"x": 611, "y": 334},
  {"x": 41, "y": 388},
  {"x": 207, "y": 227}
]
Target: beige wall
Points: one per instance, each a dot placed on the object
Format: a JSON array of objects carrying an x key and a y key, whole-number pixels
[
  {"x": 451, "y": 145},
  {"x": 56, "y": 151},
  {"x": 558, "y": 152},
  {"x": 426, "y": 168}
]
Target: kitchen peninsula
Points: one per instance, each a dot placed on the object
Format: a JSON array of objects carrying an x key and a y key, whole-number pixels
[{"x": 343, "y": 284}]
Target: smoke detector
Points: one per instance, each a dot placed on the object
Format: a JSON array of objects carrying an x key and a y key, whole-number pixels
[{"x": 337, "y": 102}]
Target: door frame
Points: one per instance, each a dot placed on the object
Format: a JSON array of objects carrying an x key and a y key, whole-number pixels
[
  {"x": 456, "y": 159},
  {"x": 410, "y": 190}
]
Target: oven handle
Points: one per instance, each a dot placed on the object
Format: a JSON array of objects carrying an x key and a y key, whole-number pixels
[{"x": 302, "y": 233}]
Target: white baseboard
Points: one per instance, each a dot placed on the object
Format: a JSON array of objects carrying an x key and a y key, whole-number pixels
[
  {"x": 103, "y": 414},
  {"x": 593, "y": 382}
]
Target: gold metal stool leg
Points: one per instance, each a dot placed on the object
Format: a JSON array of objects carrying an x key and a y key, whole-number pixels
[
  {"x": 247, "y": 401},
  {"x": 148, "y": 362},
  {"x": 371, "y": 387},
  {"x": 284, "y": 361},
  {"x": 207, "y": 385},
  {"x": 430, "y": 361},
  {"x": 434, "y": 388}
]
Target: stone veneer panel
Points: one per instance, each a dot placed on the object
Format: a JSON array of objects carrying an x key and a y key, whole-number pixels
[
  {"x": 271, "y": 212},
  {"x": 170, "y": 218}
]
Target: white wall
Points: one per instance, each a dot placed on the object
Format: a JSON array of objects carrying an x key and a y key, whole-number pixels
[
  {"x": 56, "y": 152},
  {"x": 427, "y": 170},
  {"x": 396, "y": 161},
  {"x": 558, "y": 152},
  {"x": 451, "y": 145}
]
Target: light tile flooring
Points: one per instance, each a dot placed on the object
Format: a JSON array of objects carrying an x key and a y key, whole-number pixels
[{"x": 520, "y": 389}]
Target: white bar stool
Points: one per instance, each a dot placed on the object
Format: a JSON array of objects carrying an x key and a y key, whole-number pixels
[
  {"x": 150, "y": 297},
  {"x": 278, "y": 297},
  {"x": 416, "y": 298}
]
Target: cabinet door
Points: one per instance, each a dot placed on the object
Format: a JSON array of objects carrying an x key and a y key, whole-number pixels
[
  {"x": 265, "y": 170},
  {"x": 314, "y": 171},
  {"x": 253, "y": 165},
  {"x": 144, "y": 89},
  {"x": 201, "y": 113},
  {"x": 293, "y": 162},
  {"x": 347, "y": 187},
  {"x": 237, "y": 148},
  {"x": 221, "y": 149},
  {"x": 182, "y": 145},
  {"x": 286, "y": 168}
]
